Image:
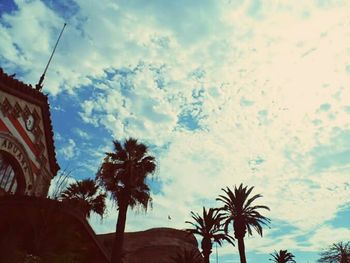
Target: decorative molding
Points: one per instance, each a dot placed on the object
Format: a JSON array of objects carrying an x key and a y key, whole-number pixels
[
  {"x": 17, "y": 112},
  {"x": 27, "y": 93},
  {"x": 6, "y": 107},
  {"x": 26, "y": 113}
]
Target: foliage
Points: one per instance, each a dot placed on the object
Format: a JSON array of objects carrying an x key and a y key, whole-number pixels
[
  {"x": 238, "y": 209},
  {"x": 338, "y": 252},
  {"x": 86, "y": 196},
  {"x": 123, "y": 173},
  {"x": 208, "y": 226},
  {"x": 283, "y": 256}
]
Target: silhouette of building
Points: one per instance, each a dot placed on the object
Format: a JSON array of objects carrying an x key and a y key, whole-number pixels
[{"x": 27, "y": 152}]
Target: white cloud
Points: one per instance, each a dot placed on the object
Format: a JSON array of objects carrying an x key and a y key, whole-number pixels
[
  {"x": 69, "y": 151},
  {"x": 326, "y": 236},
  {"x": 144, "y": 70},
  {"x": 82, "y": 134}
]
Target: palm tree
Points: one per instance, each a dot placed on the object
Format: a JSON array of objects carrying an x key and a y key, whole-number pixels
[
  {"x": 283, "y": 256},
  {"x": 245, "y": 217},
  {"x": 210, "y": 229},
  {"x": 123, "y": 173},
  {"x": 338, "y": 252},
  {"x": 86, "y": 196}
]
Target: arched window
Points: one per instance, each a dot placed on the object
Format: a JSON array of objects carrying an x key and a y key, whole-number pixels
[{"x": 9, "y": 176}]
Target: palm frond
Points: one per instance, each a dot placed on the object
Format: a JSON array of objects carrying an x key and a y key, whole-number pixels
[
  {"x": 338, "y": 252},
  {"x": 123, "y": 173},
  {"x": 86, "y": 196},
  {"x": 283, "y": 256},
  {"x": 209, "y": 226},
  {"x": 237, "y": 207}
]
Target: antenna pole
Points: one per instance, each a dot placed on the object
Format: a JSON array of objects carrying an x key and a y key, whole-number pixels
[{"x": 39, "y": 86}]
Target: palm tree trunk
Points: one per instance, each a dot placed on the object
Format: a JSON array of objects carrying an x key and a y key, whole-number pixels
[
  {"x": 117, "y": 251},
  {"x": 206, "y": 249},
  {"x": 241, "y": 250}
]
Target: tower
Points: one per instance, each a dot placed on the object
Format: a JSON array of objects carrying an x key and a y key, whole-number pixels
[{"x": 27, "y": 153}]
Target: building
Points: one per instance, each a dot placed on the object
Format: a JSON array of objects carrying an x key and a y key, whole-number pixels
[
  {"x": 30, "y": 223},
  {"x": 27, "y": 153}
]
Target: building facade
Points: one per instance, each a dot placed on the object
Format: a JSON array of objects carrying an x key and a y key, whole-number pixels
[{"x": 27, "y": 153}]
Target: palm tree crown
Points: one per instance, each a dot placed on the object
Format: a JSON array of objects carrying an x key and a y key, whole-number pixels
[
  {"x": 123, "y": 173},
  {"x": 86, "y": 196},
  {"x": 239, "y": 210},
  {"x": 208, "y": 226},
  {"x": 338, "y": 252},
  {"x": 283, "y": 256}
]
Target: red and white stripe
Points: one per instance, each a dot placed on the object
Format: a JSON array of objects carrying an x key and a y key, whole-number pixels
[{"x": 16, "y": 128}]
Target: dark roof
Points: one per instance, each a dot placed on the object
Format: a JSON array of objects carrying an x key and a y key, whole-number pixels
[{"x": 30, "y": 94}]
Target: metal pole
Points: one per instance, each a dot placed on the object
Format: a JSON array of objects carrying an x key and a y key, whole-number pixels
[{"x": 39, "y": 85}]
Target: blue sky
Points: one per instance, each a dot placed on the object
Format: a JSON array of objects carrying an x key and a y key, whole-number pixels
[{"x": 224, "y": 92}]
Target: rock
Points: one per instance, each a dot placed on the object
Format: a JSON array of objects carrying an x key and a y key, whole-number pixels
[{"x": 157, "y": 245}]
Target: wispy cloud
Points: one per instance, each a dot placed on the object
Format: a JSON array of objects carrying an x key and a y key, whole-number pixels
[
  {"x": 69, "y": 150},
  {"x": 224, "y": 92}
]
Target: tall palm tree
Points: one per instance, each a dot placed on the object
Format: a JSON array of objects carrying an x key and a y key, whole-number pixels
[
  {"x": 123, "y": 173},
  {"x": 283, "y": 256},
  {"x": 238, "y": 209},
  {"x": 338, "y": 252},
  {"x": 208, "y": 226},
  {"x": 86, "y": 196}
]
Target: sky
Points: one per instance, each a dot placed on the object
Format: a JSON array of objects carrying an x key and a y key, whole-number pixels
[{"x": 223, "y": 93}]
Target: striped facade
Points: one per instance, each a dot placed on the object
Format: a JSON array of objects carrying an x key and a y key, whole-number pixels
[{"x": 27, "y": 157}]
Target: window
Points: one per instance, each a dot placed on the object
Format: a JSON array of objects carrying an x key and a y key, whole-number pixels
[{"x": 8, "y": 178}]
